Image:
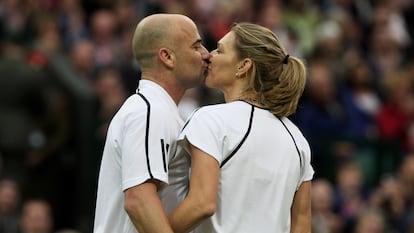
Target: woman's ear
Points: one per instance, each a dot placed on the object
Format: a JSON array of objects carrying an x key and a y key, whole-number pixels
[
  {"x": 167, "y": 57},
  {"x": 244, "y": 66}
]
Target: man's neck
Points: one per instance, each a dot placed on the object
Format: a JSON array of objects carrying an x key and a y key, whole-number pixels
[{"x": 174, "y": 91}]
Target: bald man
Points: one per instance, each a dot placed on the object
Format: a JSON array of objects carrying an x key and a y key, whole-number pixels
[{"x": 142, "y": 135}]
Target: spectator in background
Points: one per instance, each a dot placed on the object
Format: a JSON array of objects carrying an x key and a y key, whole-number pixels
[
  {"x": 322, "y": 113},
  {"x": 14, "y": 20},
  {"x": 389, "y": 15},
  {"x": 392, "y": 198},
  {"x": 36, "y": 217},
  {"x": 81, "y": 57},
  {"x": 125, "y": 15},
  {"x": 127, "y": 65},
  {"x": 47, "y": 37},
  {"x": 9, "y": 206},
  {"x": 72, "y": 23},
  {"x": 397, "y": 111},
  {"x": 302, "y": 17},
  {"x": 350, "y": 193},
  {"x": 371, "y": 221},
  {"x": 352, "y": 28},
  {"x": 384, "y": 52},
  {"x": 330, "y": 47},
  {"x": 324, "y": 217},
  {"x": 111, "y": 38},
  {"x": 327, "y": 109},
  {"x": 109, "y": 89},
  {"x": 270, "y": 15},
  {"x": 221, "y": 20},
  {"x": 103, "y": 35},
  {"x": 359, "y": 82},
  {"x": 330, "y": 119},
  {"x": 405, "y": 173}
]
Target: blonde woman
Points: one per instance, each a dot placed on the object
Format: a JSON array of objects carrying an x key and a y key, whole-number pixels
[{"x": 250, "y": 165}]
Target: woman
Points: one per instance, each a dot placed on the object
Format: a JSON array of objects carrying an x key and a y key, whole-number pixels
[{"x": 250, "y": 165}]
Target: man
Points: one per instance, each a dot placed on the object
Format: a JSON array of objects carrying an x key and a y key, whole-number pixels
[{"x": 142, "y": 134}]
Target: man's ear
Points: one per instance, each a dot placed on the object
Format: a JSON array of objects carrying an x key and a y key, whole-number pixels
[
  {"x": 244, "y": 66},
  {"x": 167, "y": 57}
]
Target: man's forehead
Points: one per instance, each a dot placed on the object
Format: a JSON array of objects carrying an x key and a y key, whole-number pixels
[{"x": 190, "y": 34}]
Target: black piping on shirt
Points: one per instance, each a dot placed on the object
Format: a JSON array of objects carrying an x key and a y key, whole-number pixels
[
  {"x": 163, "y": 154},
  {"x": 188, "y": 119},
  {"x": 296, "y": 146},
  {"x": 147, "y": 134},
  {"x": 242, "y": 141}
]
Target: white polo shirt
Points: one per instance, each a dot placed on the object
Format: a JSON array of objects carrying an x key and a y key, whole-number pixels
[
  {"x": 263, "y": 160},
  {"x": 140, "y": 139}
]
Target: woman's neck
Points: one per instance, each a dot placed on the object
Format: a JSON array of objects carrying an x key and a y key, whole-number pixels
[{"x": 251, "y": 98}]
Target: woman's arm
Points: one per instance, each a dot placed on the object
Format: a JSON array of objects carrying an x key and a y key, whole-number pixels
[
  {"x": 201, "y": 200},
  {"x": 301, "y": 209}
]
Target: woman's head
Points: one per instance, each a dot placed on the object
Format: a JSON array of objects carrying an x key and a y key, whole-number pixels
[{"x": 259, "y": 66}]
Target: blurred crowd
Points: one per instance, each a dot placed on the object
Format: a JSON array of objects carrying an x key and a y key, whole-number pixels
[{"x": 66, "y": 66}]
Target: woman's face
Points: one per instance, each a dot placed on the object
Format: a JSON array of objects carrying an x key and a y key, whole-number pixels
[{"x": 223, "y": 64}]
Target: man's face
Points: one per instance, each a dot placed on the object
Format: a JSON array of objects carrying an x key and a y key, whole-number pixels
[{"x": 191, "y": 56}]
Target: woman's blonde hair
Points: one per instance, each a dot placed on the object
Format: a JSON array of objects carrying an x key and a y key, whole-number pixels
[{"x": 277, "y": 78}]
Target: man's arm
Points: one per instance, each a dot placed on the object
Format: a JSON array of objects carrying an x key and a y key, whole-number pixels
[
  {"x": 301, "y": 209},
  {"x": 145, "y": 208},
  {"x": 202, "y": 197}
]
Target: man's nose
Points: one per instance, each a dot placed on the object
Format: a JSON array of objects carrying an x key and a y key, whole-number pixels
[{"x": 206, "y": 55}]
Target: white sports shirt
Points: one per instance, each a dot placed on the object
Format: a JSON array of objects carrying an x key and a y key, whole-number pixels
[
  {"x": 140, "y": 139},
  {"x": 263, "y": 160}
]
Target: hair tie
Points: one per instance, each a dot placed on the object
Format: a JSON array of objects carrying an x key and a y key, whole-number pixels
[{"x": 285, "y": 60}]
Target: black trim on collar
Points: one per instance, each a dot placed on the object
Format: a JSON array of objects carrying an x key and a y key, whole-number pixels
[{"x": 242, "y": 141}]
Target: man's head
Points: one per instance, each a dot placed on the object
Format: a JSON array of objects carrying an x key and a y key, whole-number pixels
[
  {"x": 36, "y": 217},
  {"x": 9, "y": 197},
  {"x": 170, "y": 45}
]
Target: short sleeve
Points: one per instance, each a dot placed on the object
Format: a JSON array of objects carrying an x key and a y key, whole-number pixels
[
  {"x": 143, "y": 151},
  {"x": 308, "y": 171},
  {"x": 204, "y": 130}
]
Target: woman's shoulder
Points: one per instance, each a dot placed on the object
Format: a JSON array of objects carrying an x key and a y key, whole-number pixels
[{"x": 221, "y": 109}]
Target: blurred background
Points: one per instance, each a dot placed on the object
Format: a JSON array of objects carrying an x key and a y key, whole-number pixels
[{"x": 66, "y": 66}]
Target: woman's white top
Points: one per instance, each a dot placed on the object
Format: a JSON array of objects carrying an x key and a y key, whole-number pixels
[{"x": 263, "y": 158}]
